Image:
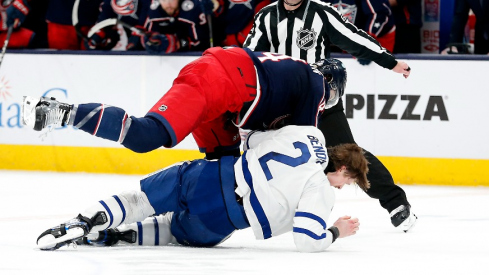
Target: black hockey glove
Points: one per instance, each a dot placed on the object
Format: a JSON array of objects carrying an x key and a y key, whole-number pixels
[
  {"x": 157, "y": 43},
  {"x": 102, "y": 40},
  {"x": 17, "y": 12}
]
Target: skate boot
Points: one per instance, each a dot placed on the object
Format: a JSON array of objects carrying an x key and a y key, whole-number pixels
[
  {"x": 403, "y": 218},
  {"x": 109, "y": 237},
  {"x": 69, "y": 231},
  {"x": 40, "y": 113}
]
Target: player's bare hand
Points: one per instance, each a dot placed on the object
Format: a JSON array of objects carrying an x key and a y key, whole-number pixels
[
  {"x": 347, "y": 226},
  {"x": 402, "y": 68}
]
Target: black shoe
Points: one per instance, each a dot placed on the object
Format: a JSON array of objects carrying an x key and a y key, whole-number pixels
[{"x": 403, "y": 218}]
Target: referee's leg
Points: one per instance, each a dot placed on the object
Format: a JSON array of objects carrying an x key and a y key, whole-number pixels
[{"x": 336, "y": 130}]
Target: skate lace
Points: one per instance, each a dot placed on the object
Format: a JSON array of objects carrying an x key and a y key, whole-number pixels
[{"x": 54, "y": 118}]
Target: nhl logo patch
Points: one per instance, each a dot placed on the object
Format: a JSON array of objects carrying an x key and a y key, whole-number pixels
[
  {"x": 162, "y": 108},
  {"x": 306, "y": 39}
]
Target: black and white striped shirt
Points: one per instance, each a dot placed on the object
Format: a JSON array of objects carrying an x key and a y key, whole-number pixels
[{"x": 308, "y": 31}]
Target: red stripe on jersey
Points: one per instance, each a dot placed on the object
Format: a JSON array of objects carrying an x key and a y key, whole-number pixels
[
  {"x": 122, "y": 127},
  {"x": 99, "y": 119}
]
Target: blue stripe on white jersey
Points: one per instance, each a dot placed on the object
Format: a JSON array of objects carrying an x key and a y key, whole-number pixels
[
  {"x": 281, "y": 179},
  {"x": 257, "y": 208},
  {"x": 308, "y": 232},
  {"x": 288, "y": 160},
  {"x": 311, "y": 216}
]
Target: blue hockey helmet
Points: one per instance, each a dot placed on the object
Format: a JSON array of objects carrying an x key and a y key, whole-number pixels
[{"x": 334, "y": 73}]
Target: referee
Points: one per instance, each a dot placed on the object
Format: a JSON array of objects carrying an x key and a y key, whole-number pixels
[{"x": 306, "y": 29}]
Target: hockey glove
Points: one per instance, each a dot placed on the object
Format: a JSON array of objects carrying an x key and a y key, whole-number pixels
[
  {"x": 134, "y": 42},
  {"x": 17, "y": 12},
  {"x": 102, "y": 40},
  {"x": 157, "y": 43}
]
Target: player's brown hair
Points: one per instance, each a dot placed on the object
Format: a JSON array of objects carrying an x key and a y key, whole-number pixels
[{"x": 351, "y": 156}]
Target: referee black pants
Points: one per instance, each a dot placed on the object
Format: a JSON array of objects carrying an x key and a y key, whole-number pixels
[{"x": 336, "y": 130}]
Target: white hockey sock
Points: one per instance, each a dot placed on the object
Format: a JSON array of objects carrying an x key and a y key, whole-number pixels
[
  {"x": 152, "y": 231},
  {"x": 125, "y": 208}
]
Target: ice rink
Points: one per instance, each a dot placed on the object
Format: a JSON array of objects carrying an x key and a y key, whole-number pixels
[{"x": 451, "y": 236}]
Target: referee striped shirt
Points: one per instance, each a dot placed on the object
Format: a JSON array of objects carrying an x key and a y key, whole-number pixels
[{"x": 308, "y": 32}]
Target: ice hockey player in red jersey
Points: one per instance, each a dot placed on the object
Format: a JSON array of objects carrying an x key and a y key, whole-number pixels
[{"x": 211, "y": 98}]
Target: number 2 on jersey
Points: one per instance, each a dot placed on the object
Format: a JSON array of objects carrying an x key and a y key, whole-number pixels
[{"x": 287, "y": 160}]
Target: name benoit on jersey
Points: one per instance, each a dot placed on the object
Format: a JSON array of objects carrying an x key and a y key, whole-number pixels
[{"x": 319, "y": 150}]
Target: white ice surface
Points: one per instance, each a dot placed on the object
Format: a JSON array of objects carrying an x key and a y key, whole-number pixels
[{"x": 451, "y": 236}]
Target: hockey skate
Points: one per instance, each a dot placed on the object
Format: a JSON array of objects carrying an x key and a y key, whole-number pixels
[
  {"x": 403, "y": 218},
  {"x": 109, "y": 237},
  {"x": 39, "y": 113},
  {"x": 69, "y": 231}
]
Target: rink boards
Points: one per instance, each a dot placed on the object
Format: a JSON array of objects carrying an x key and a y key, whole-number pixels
[{"x": 428, "y": 129}]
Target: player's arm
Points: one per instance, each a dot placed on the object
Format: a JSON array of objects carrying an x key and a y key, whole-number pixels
[
  {"x": 310, "y": 229},
  {"x": 358, "y": 43},
  {"x": 257, "y": 39}
]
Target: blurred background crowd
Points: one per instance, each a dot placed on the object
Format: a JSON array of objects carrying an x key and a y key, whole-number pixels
[{"x": 166, "y": 26}]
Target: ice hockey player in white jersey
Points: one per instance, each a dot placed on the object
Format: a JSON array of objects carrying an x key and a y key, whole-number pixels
[{"x": 282, "y": 183}]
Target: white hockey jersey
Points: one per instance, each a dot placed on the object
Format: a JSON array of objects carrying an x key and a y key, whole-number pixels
[{"x": 281, "y": 179}]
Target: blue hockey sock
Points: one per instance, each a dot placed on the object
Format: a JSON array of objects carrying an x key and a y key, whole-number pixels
[
  {"x": 146, "y": 134},
  {"x": 113, "y": 123},
  {"x": 101, "y": 120}
]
